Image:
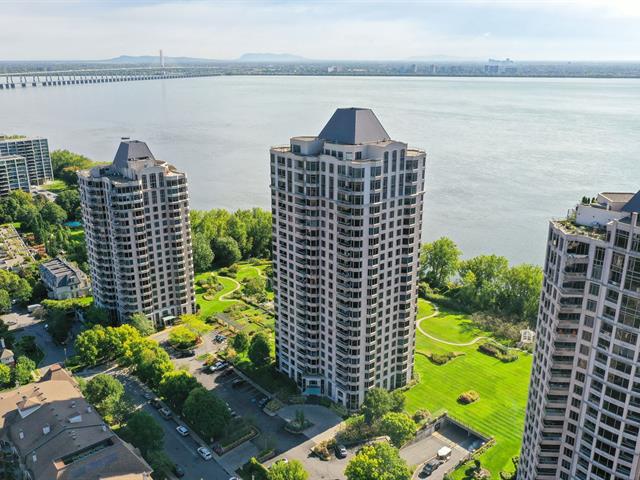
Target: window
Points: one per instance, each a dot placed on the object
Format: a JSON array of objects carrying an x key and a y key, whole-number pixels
[
  {"x": 598, "y": 261},
  {"x": 615, "y": 272},
  {"x": 622, "y": 239},
  {"x": 632, "y": 279}
]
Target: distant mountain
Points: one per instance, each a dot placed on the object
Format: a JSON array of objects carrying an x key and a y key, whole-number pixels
[
  {"x": 271, "y": 57},
  {"x": 155, "y": 59}
]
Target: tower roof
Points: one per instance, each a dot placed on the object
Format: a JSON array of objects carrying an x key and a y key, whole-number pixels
[
  {"x": 131, "y": 150},
  {"x": 353, "y": 126},
  {"x": 633, "y": 205}
]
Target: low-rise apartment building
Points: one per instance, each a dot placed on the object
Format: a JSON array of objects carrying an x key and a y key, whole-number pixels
[{"x": 64, "y": 279}]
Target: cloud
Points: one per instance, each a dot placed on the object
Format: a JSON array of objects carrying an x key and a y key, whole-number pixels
[{"x": 324, "y": 29}]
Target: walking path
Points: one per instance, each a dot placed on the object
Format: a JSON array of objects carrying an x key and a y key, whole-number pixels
[
  {"x": 223, "y": 298},
  {"x": 436, "y": 311}
]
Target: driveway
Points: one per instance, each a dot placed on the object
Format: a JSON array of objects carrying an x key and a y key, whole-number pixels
[
  {"x": 53, "y": 353},
  {"x": 420, "y": 452}
]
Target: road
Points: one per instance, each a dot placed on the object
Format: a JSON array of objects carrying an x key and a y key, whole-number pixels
[{"x": 181, "y": 450}]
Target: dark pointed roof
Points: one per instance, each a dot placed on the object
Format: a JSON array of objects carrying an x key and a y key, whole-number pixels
[
  {"x": 130, "y": 150},
  {"x": 633, "y": 205},
  {"x": 353, "y": 126}
]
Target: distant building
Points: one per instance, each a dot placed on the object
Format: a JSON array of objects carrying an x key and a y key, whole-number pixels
[
  {"x": 14, "y": 174},
  {"x": 6, "y": 355},
  {"x": 55, "y": 434},
  {"x": 64, "y": 280},
  {"x": 137, "y": 229},
  {"x": 35, "y": 150},
  {"x": 347, "y": 220},
  {"x": 583, "y": 411}
]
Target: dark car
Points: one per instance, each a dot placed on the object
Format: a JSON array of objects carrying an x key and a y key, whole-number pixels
[
  {"x": 430, "y": 467},
  {"x": 179, "y": 471},
  {"x": 187, "y": 353},
  {"x": 227, "y": 372},
  {"x": 238, "y": 382},
  {"x": 155, "y": 403}
]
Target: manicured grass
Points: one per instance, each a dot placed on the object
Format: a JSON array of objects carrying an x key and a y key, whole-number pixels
[
  {"x": 56, "y": 186},
  {"x": 502, "y": 387},
  {"x": 215, "y": 305}
]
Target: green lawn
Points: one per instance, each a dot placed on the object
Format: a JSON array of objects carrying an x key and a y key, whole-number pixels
[
  {"x": 56, "y": 186},
  {"x": 502, "y": 387},
  {"x": 215, "y": 305}
]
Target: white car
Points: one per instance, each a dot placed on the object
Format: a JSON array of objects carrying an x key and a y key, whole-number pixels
[
  {"x": 182, "y": 430},
  {"x": 205, "y": 453}
]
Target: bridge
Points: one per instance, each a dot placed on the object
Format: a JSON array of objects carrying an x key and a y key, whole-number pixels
[{"x": 14, "y": 80}]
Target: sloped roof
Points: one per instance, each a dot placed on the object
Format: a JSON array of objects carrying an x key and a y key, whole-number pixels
[
  {"x": 633, "y": 205},
  {"x": 131, "y": 150},
  {"x": 353, "y": 126}
]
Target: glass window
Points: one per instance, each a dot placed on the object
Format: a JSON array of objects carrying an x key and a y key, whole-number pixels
[{"x": 632, "y": 280}]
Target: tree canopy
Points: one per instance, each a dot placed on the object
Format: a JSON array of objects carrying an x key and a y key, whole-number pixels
[
  {"x": 144, "y": 432},
  {"x": 175, "y": 387},
  {"x": 399, "y": 427},
  {"x": 259, "y": 349},
  {"x": 380, "y": 461},
  {"x": 439, "y": 262},
  {"x": 207, "y": 414},
  {"x": 291, "y": 470},
  {"x": 142, "y": 324}
]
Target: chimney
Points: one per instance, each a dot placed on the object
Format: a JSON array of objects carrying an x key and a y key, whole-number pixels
[
  {"x": 46, "y": 429},
  {"x": 104, "y": 428},
  {"x": 2, "y": 343},
  {"x": 73, "y": 404},
  {"x": 89, "y": 409},
  {"x": 21, "y": 435},
  {"x": 34, "y": 457}
]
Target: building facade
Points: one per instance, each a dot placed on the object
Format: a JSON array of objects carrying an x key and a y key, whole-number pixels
[
  {"x": 64, "y": 280},
  {"x": 36, "y": 153},
  {"x": 347, "y": 220},
  {"x": 14, "y": 174},
  {"x": 583, "y": 412},
  {"x": 136, "y": 218}
]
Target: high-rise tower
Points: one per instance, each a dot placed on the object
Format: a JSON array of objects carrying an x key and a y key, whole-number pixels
[
  {"x": 136, "y": 218},
  {"x": 347, "y": 218},
  {"x": 35, "y": 151},
  {"x": 583, "y": 413}
]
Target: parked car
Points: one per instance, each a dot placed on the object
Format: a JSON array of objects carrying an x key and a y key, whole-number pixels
[
  {"x": 226, "y": 373},
  {"x": 341, "y": 451},
  {"x": 165, "y": 412},
  {"x": 187, "y": 353},
  {"x": 220, "y": 365},
  {"x": 178, "y": 471},
  {"x": 263, "y": 402},
  {"x": 148, "y": 395},
  {"x": 430, "y": 467},
  {"x": 155, "y": 403},
  {"x": 219, "y": 338},
  {"x": 238, "y": 382},
  {"x": 182, "y": 430},
  {"x": 444, "y": 453},
  {"x": 205, "y": 453}
]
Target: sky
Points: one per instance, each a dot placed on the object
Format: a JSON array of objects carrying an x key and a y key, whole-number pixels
[{"x": 325, "y": 29}]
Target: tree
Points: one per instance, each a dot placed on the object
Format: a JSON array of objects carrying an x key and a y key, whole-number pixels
[
  {"x": 255, "y": 286},
  {"x": 194, "y": 323},
  {"x": 397, "y": 400},
  {"x": 520, "y": 292},
  {"x": 5, "y": 374},
  {"x": 439, "y": 262},
  {"x": 225, "y": 251},
  {"x": 90, "y": 344},
  {"x": 182, "y": 337},
  {"x": 53, "y": 213},
  {"x": 69, "y": 201},
  {"x": 142, "y": 324},
  {"x": 17, "y": 287},
  {"x": 161, "y": 464},
  {"x": 240, "y": 342},
  {"x": 292, "y": 470},
  {"x": 105, "y": 392},
  {"x": 398, "y": 426},
  {"x": 175, "y": 387},
  {"x": 144, "y": 432},
  {"x": 237, "y": 230},
  {"x": 259, "y": 349},
  {"x": 482, "y": 277},
  {"x": 65, "y": 165},
  {"x": 208, "y": 415},
  {"x": 377, "y": 402},
  {"x": 5, "y": 302},
  {"x": 151, "y": 364},
  {"x": 380, "y": 461},
  {"x": 23, "y": 371},
  {"x": 202, "y": 253}
]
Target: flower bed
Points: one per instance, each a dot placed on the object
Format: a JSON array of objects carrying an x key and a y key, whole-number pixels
[{"x": 468, "y": 397}]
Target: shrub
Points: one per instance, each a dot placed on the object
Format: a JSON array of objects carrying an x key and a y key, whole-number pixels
[
  {"x": 421, "y": 416},
  {"x": 323, "y": 449},
  {"x": 355, "y": 430},
  {"x": 498, "y": 351},
  {"x": 468, "y": 397}
]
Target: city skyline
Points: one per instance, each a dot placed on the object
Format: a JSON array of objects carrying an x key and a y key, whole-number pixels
[{"x": 355, "y": 30}]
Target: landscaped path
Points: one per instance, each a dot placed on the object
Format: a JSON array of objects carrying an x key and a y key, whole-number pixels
[
  {"x": 222, "y": 298},
  {"x": 435, "y": 339}
]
